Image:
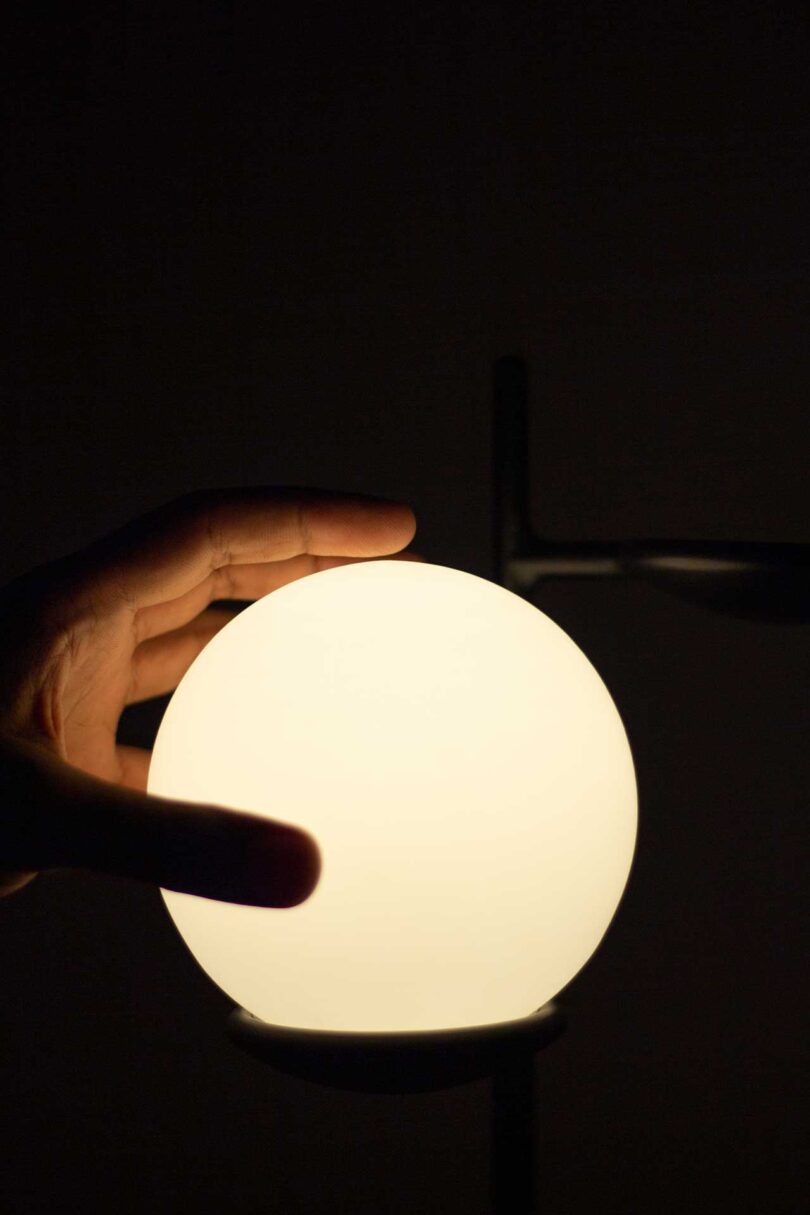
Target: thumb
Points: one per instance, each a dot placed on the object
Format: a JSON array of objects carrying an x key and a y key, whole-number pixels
[{"x": 53, "y": 815}]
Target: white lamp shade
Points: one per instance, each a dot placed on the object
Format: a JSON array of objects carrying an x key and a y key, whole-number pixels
[{"x": 463, "y": 769}]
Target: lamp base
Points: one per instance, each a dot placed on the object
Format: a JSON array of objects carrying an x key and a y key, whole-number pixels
[{"x": 415, "y": 1061}]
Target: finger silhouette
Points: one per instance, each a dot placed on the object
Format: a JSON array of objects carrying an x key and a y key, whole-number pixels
[
  {"x": 169, "y": 552},
  {"x": 78, "y": 821},
  {"x": 160, "y": 663}
]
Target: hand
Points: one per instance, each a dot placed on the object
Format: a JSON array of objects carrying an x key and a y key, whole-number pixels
[{"x": 121, "y": 622}]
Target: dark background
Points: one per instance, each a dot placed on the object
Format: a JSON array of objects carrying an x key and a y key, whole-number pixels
[{"x": 255, "y": 244}]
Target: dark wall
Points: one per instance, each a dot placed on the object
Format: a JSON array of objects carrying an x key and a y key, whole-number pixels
[{"x": 284, "y": 245}]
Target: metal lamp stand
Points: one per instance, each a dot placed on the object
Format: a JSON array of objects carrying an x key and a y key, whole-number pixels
[{"x": 423, "y": 1061}]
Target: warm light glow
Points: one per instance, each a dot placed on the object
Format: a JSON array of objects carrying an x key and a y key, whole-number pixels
[{"x": 466, "y": 775}]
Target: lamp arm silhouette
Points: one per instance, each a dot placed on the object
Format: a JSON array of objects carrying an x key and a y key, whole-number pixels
[{"x": 748, "y": 579}]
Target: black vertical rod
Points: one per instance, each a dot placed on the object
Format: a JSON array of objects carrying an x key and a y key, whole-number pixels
[
  {"x": 510, "y": 463},
  {"x": 513, "y": 1180}
]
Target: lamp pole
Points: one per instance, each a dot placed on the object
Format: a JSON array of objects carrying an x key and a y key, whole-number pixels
[
  {"x": 760, "y": 581},
  {"x": 513, "y": 1170},
  {"x": 424, "y": 1061}
]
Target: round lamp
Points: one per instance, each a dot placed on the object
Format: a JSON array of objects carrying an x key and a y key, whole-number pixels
[{"x": 463, "y": 769}]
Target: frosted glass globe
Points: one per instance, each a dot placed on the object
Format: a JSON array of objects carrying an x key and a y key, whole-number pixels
[{"x": 463, "y": 769}]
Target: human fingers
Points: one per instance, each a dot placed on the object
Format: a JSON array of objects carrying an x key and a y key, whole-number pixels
[
  {"x": 160, "y": 663},
  {"x": 170, "y": 551},
  {"x": 242, "y": 582},
  {"x": 133, "y": 765},
  {"x": 56, "y": 816}
]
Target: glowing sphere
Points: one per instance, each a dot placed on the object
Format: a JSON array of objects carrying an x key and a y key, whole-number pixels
[{"x": 465, "y": 773}]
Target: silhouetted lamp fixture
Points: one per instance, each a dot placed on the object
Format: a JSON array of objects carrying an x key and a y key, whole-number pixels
[
  {"x": 767, "y": 581},
  {"x": 468, "y": 778}
]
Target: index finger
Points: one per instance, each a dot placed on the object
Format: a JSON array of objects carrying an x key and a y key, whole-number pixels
[
  {"x": 62, "y": 817},
  {"x": 171, "y": 550}
]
